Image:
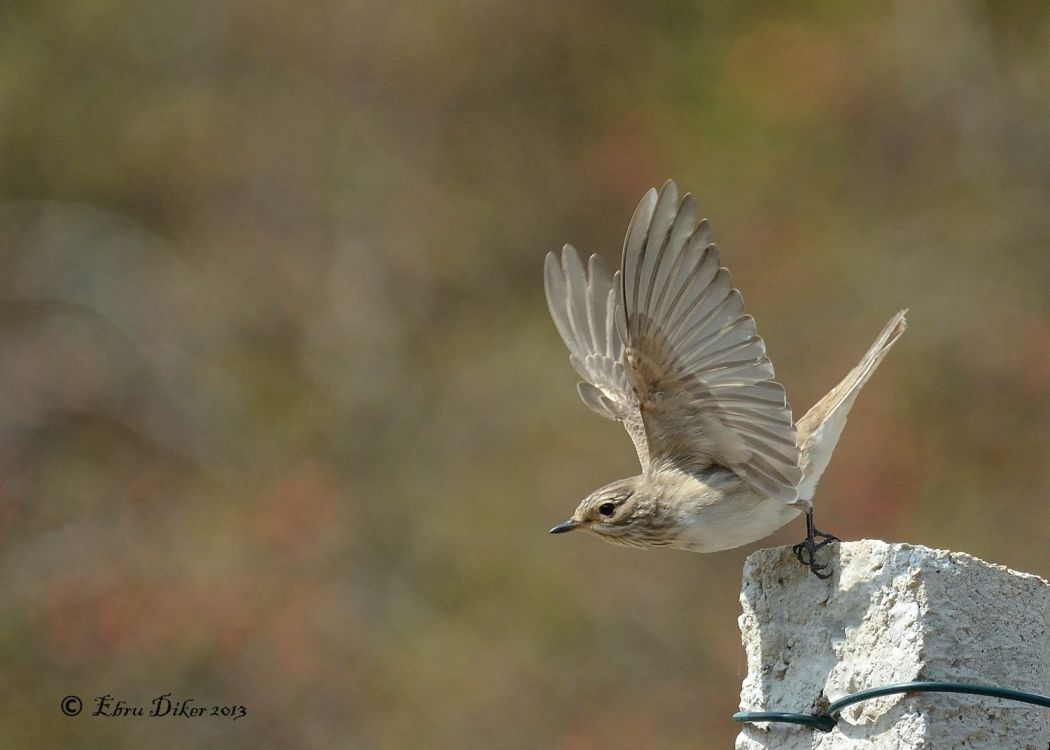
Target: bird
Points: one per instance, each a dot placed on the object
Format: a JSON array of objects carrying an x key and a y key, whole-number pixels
[{"x": 663, "y": 345}]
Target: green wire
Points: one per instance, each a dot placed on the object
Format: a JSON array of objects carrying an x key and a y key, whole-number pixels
[
  {"x": 814, "y": 721},
  {"x": 826, "y": 720}
]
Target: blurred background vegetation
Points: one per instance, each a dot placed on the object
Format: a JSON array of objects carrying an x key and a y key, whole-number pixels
[{"x": 283, "y": 419}]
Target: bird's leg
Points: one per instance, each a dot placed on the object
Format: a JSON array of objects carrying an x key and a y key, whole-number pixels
[{"x": 806, "y": 550}]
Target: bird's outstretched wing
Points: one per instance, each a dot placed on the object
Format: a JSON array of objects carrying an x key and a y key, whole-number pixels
[
  {"x": 701, "y": 379},
  {"x": 583, "y": 305},
  {"x": 664, "y": 347}
]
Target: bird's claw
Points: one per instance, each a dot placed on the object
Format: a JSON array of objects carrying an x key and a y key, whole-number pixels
[
  {"x": 806, "y": 550},
  {"x": 805, "y": 553}
]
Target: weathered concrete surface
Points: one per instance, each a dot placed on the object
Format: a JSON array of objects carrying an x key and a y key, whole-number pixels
[{"x": 893, "y": 613}]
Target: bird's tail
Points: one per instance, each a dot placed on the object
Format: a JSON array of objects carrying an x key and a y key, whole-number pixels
[{"x": 819, "y": 429}]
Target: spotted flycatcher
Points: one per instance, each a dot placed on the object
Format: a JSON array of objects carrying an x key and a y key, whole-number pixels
[{"x": 663, "y": 346}]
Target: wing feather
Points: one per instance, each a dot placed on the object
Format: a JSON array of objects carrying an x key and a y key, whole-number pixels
[
  {"x": 583, "y": 304},
  {"x": 663, "y": 345},
  {"x": 703, "y": 384}
]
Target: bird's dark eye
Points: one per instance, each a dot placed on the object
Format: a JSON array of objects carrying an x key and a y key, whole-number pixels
[{"x": 607, "y": 509}]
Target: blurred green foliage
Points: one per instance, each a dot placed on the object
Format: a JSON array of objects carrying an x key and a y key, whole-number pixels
[{"x": 283, "y": 420}]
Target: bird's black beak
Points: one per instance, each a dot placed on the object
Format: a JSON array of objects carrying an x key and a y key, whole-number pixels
[{"x": 564, "y": 526}]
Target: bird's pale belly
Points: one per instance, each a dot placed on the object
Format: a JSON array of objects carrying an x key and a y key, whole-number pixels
[{"x": 722, "y": 518}]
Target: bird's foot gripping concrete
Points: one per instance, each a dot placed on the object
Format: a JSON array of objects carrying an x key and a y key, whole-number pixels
[{"x": 806, "y": 550}]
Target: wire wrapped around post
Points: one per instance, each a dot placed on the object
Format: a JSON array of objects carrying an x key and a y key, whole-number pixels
[{"x": 827, "y": 720}]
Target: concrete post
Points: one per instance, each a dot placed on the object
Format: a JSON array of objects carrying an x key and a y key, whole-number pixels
[{"x": 893, "y": 613}]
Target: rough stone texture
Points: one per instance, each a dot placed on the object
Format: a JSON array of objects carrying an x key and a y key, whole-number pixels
[{"x": 893, "y": 613}]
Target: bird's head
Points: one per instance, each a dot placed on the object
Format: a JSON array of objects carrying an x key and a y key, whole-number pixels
[{"x": 614, "y": 512}]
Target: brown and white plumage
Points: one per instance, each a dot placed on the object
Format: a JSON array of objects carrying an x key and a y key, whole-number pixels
[{"x": 664, "y": 346}]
